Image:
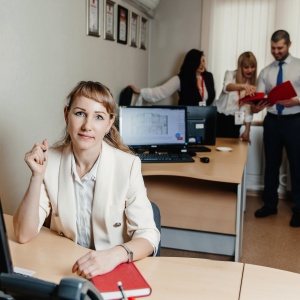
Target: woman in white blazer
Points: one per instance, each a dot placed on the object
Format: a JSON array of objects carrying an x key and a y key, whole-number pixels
[{"x": 92, "y": 187}]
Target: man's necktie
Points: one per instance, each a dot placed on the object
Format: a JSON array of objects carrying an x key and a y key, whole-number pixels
[{"x": 279, "y": 107}]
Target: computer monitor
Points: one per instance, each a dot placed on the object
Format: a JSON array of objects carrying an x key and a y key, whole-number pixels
[
  {"x": 6, "y": 265},
  {"x": 153, "y": 128},
  {"x": 201, "y": 125}
]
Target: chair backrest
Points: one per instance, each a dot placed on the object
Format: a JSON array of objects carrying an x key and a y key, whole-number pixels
[
  {"x": 126, "y": 96},
  {"x": 156, "y": 215},
  {"x": 157, "y": 219}
]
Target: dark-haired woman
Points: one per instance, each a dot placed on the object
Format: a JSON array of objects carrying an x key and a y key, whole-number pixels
[{"x": 194, "y": 84}]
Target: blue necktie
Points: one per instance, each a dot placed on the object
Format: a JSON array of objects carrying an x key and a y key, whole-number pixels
[{"x": 279, "y": 107}]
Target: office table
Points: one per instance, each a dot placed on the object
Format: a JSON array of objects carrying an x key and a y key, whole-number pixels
[
  {"x": 262, "y": 283},
  {"x": 202, "y": 204},
  {"x": 53, "y": 256}
]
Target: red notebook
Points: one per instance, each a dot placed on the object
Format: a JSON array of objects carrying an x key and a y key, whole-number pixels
[
  {"x": 134, "y": 284},
  {"x": 283, "y": 91}
]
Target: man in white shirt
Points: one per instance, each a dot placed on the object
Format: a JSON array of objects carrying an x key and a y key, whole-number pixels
[{"x": 281, "y": 126}]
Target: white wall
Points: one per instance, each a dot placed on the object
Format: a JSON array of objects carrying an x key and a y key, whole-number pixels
[
  {"x": 44, "y": 52},
  {"x": 175, "y": 30}
]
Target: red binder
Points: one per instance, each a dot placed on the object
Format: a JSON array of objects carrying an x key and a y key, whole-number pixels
[
  {"x": 283, "y": 91},
  {"x": 134, "y": 284}
]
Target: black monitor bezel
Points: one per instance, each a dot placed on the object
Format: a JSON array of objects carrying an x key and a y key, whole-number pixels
[{"x": 6, "y": 265}]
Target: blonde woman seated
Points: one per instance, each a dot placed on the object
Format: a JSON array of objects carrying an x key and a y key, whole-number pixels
[{"x": 92, "y": 187}]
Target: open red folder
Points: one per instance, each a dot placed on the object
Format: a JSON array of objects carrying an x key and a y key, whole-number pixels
[
  {"x": 283, "y": 91},
  {"x": 134, "y": 284}
]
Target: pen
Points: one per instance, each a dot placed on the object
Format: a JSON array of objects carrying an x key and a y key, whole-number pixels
[
  {"x": 44, "y": 150},
  {"x": 122, "y": 290}
]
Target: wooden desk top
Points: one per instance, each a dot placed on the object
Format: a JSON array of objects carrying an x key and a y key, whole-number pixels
[
  {"x": 269, "y": 284},
  {"x": 52, "y": 257},
  {"x": 191, "y": 278},
  {"x": 223, "y": 166}
]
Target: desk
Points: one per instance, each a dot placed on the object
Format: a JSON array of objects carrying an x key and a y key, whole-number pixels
[
  {"x": 202, "y": 204},
  {"x": 53, "y": 256},
  {"x": 262, "y": 283},
  {"x": 49, "y": 254}
]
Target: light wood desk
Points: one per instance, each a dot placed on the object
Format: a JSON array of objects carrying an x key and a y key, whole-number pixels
[
  {"x": 53, "y": 256},
  {"x": 262, "y": 283},
  {"x": 49, "y": 254},
  {"x": 202, "y": 204}
]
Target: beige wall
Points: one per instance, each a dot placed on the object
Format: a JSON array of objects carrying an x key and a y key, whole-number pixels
[
  {"x": 175, "y": 30},
  {"x": 44, "y": 52}
]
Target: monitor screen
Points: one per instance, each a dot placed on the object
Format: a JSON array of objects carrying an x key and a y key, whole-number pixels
[
  {"x": 201, "y": 125},
  {"x": 153, "y": 127}
]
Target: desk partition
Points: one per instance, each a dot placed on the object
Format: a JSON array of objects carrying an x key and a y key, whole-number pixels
[{"x": 202, "y": 204}]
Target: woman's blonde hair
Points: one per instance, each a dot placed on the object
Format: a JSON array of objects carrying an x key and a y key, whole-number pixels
[
  {"x": 99, "y": 93},
  {"x": 246, "y": 58}
]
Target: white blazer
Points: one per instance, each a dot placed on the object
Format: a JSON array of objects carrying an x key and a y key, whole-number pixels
[{"x": 121, "y": 209}]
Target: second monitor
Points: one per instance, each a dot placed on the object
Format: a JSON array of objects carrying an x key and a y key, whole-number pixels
[{"x": 201, "y": 125}]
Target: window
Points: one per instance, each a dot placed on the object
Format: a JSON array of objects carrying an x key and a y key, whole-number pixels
[{"x": 231, "y": 27}]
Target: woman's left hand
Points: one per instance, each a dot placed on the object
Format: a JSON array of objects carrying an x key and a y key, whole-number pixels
[
  {"x": 245, "y": 137},
  {"x": 99, "y": 262}
]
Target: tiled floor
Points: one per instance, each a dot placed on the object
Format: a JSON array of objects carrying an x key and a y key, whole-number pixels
[{"x": 269, "y": 242}]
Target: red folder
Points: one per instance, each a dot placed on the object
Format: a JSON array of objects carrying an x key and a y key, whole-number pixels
[
  {"x": 134, "y": 284},
  {"x": 283, "y": 91}
]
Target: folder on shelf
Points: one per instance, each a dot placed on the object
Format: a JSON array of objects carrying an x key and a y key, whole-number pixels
[
  {"x": 134, "y": 284},
  {"x": 283, "y": 91}
]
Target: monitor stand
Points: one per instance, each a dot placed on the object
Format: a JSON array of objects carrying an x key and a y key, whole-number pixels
[
  {"x": 197, "y": 148},
  {"x": 187, "y": 151}
]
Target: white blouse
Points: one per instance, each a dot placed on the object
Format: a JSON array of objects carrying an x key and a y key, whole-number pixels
[
  {"x": 228, "y": 102},
  {"x": 163, "y": 91},
  {"x": 84, "y": 193}
]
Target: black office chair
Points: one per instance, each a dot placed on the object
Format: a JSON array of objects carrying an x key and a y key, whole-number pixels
[
  {"x": 157, "y": 219},
  {"x": 126, "y": 96}
]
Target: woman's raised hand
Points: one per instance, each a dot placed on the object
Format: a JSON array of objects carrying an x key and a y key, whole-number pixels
[{"x": 37, "y": 158}]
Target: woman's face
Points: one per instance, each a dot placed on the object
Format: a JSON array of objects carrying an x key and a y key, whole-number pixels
[
  {"x": 88, "y": 121},
  {"x": 202, "y": 66},
  {"x": 248, "y": 70}
]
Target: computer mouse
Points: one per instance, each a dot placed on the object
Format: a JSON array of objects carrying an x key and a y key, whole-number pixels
[{"x": 204, "y": 159}]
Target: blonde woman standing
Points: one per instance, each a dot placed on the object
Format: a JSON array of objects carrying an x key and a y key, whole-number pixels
[{"x": 237, "y": 84}]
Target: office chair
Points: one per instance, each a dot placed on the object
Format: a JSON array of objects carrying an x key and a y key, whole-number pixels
[
  {"x": 156, "y": 215},
  {"x": 157, "y": 219},
  {"x": 126, "y": 96}
]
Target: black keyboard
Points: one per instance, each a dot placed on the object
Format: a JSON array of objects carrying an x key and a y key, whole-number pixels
[
  {"x": 165, "y": 157},
  {"x": 198, "y": 149}
]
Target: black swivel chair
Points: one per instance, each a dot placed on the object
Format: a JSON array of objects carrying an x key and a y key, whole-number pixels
[
  {"x": 157, "y": 219},
  {"x": 126, "y": 96}
]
